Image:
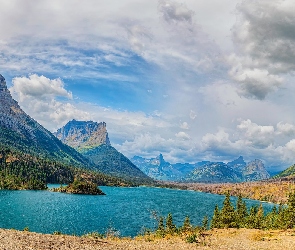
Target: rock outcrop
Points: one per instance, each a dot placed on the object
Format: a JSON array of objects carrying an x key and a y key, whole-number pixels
[{"x": 83, "y": 135}]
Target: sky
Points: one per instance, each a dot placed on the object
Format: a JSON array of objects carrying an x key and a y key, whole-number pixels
[{"x": 193, "y": 80}]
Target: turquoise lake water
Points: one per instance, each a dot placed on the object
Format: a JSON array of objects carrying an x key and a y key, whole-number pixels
[{"x": 125, "y": 209}]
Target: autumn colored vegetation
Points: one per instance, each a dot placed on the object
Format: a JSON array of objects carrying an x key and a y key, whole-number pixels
[{"x": 273, "y": 190}]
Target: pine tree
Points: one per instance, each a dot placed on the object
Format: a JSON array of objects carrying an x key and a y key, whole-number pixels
[
  {"x": 291, "y": 211},
  {"x": 270, "y": 221},
  {"x": 170, "y": 227},
  {"x": 215, "y": 222},
  {"x": 186, "y": 225},
  {"x": 241, "y": 212},
  {"x": 259, "y": 218},
  {"x": 227, "y": 213},
  {"x": 251, "y": 219},
  {"x": 161, "y": 227},
  {"x": 205, "y": 223}
]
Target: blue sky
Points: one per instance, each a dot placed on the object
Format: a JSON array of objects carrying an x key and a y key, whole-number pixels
[{"x": 194, "y": 80}]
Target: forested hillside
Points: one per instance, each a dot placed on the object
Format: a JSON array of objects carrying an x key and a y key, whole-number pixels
[{"x": 23, "y": 171}]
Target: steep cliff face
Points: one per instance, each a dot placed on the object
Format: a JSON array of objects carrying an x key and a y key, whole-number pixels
[
  {"x": 19, "y": 131},
  {"x": 91, "y": 139},
  {"x": 83, "y": 135}
]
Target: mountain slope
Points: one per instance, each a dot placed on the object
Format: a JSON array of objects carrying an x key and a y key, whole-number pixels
[
  {"x": 289, "y": 172},
  {"x": 214, "y": 172},
  {"x": 20, "y": 132},
  {"x": 91, "y": 139}
]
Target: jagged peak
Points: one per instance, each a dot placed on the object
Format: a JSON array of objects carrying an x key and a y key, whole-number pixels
[
  {"x": 160, "y": 158},
  {"x": 3, "y": 86}
]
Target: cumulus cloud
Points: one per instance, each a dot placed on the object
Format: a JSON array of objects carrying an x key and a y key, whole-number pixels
[
  {"x": 264, "y": 37},
  {"x": 39, "y": 87},
  {"x": 286, "y": 129},
  {"x": 38, "y": 96},
  {"x": 182, "y": 135},
  {"x": 256, "y": 135}
]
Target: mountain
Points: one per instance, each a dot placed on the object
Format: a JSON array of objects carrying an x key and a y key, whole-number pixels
[
  {"x": 18, "y": 131},
  {"x": 83, "y": 135},
  {"x": 92, "y": 141},
  {"x": 204, "y": 171},
  {"x": 214, "y": 172},
  {"x": 255, "y": 171},
  {"x": 159, "y": 169},
  {"x": 289, "y": 172},
  {"x": 235, "y": 171}
]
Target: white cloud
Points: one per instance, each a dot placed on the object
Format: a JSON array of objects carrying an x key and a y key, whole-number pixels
[
  {"x": 184, "y": 125},
  {"x": 39, "y": 87},
  {"x": 182, "y": 135},
  {"x": 175, "y": 12},
  {"x": 286, "y": 129},
  {"x": 265, "y": 41},
  {"x": 256, "y": 135}
]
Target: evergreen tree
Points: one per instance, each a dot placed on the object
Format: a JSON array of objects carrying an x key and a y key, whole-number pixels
[
  {"x": 227, "y": 213},
  {"x": 205, "y": 223},
  {"x": 170, "y": 227},
  {"x": 291, "y": 211},
  {"x": 251, "y": 219},
  {"x": 241, "y": 212},
  {"x": 215, "y": 222},
  {"x": 161, "y": 227},
  {"x": 270, "y": 221},
  {"x": 186, "y": 225},
  {"x": 259, "y": 218}
]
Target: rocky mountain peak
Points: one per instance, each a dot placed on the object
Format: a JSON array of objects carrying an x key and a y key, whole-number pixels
[
  {"x": 238, "y": 161},
  {"x": 255, "y": 170},
  {"x": 4, "y": 92},
  {"x": 83, "y": 135},
  {"x": 160, "y": 158}
]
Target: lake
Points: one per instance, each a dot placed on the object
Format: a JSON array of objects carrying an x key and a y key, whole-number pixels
[{"x": 127, "y": 210}]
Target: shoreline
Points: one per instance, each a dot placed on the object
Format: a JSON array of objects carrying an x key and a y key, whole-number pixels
[{"x": 214, "y": 239}]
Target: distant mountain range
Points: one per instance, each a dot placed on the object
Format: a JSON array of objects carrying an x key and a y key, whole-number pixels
[
  {"x": 92, "y": 141},
  {"x": 205, "y": 171}
]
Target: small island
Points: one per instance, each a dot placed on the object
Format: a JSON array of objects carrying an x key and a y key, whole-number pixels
[{"x": 80, "y": 187}]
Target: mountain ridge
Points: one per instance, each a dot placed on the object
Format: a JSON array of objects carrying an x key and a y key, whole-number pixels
[{"x": 205, "y": 171}]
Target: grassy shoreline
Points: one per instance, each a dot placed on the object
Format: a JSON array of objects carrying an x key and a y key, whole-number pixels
[{"x": 214, "y": 239}]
